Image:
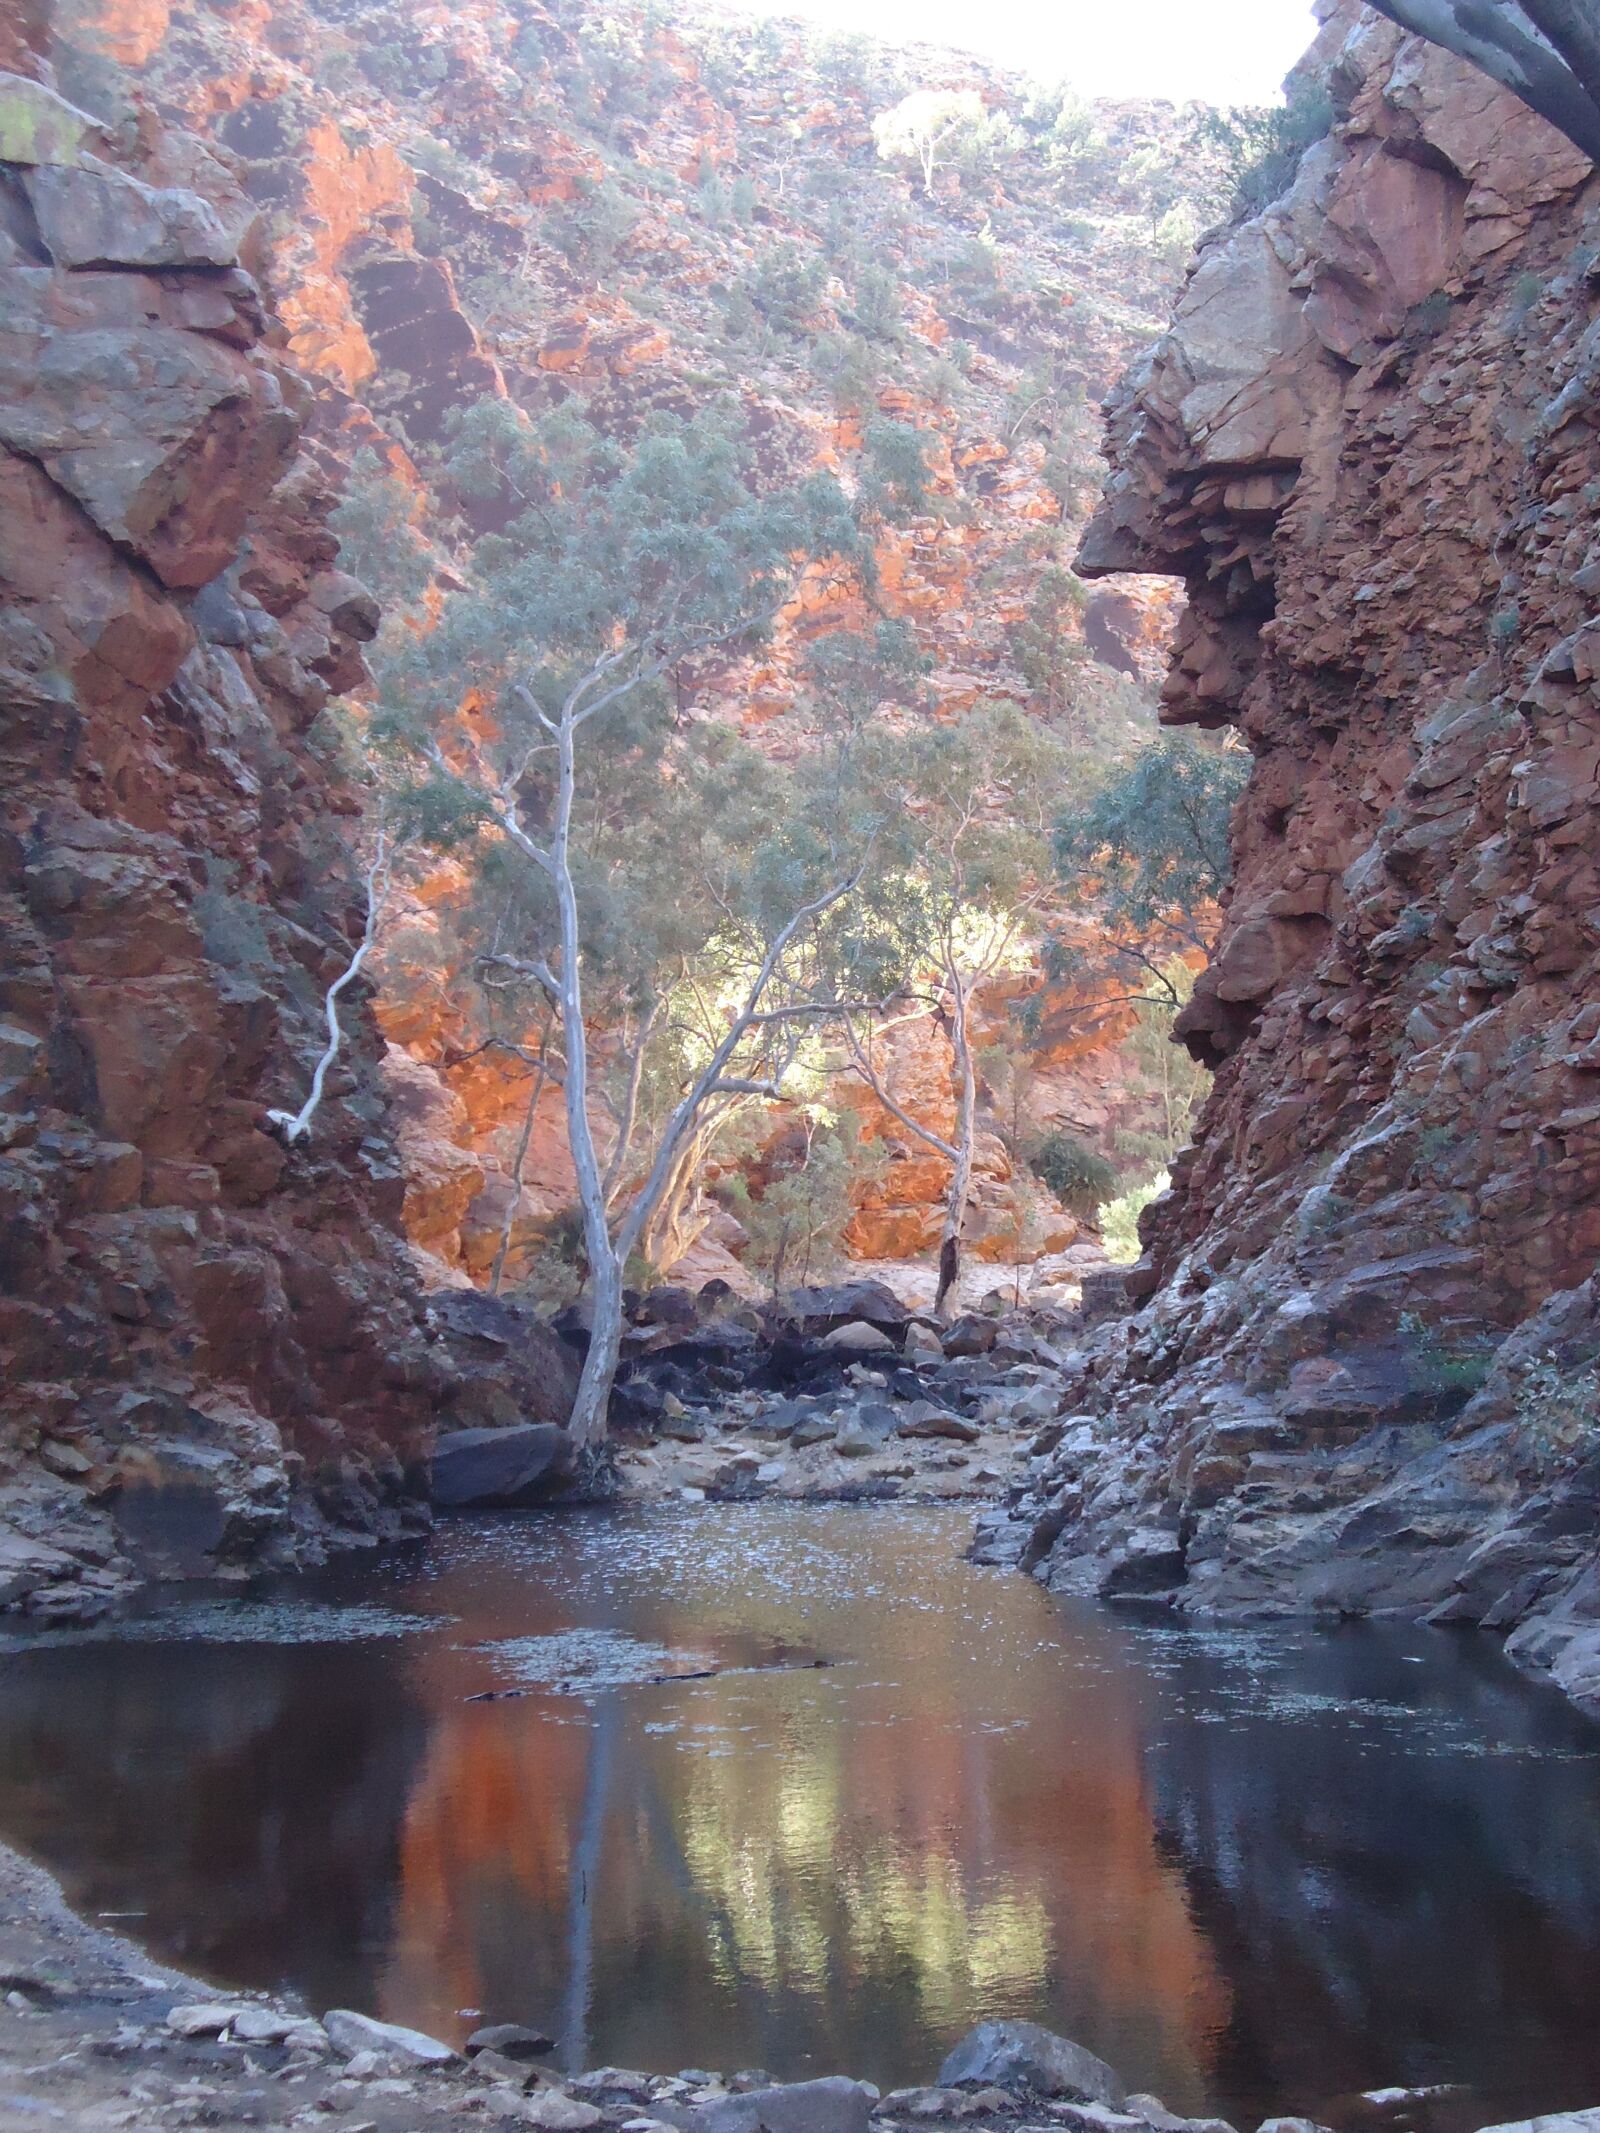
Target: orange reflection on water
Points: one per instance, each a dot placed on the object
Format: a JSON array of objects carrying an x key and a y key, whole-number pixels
[{"x": 835, "y": 1870}]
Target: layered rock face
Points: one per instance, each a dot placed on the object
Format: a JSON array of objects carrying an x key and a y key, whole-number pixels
[
  {"x": 208, "y": 1339},
  {"x": 1364, "y": 1375}
]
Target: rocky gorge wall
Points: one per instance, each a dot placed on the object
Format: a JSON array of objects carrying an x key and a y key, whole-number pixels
[
  {"x": 1360, "y": 1376},
  {"x": 210, "y": 1344}
]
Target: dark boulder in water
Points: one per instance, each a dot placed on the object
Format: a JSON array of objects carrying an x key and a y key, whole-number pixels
[{"x": 490, "y": 1468}]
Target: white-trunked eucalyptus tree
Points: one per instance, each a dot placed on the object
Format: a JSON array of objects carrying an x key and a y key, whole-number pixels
[
  {"x": 696, "y": 889},
  {"x": 968, "y": 808}
]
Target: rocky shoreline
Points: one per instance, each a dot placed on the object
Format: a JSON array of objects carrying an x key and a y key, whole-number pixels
[{"x": 94, "y": 2034}]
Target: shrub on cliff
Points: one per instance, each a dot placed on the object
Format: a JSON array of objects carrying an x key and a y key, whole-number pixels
[{"x": 1079, "y": 1176}]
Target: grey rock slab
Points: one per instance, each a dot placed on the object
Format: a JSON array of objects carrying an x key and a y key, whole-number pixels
[
  {"x": 858, "y": 1338},
  {"x": 1023, "y": 2055},
  {"x": 511, "y": 2040},
  {"x": 498, "y": 1466},
  {"x": 204, "y": 2018},
  {"x": 39, "y": 127},
  {"x": 1155, "y": 2113},
  {"x": 614, "y": 2081},
  {"x": 509, "y": 2073},
  {"x": 855, "y": 1441},
  {"x": 352, "y": 2032},
  {"x": 933, "y": 2103},
  {"x": 924, "y": 1419},
  {"x": 557, "y": 2112},
  {"x": 1096, "y": 2118},
  {"x": 261, "y": 2025},
  {"x": 829, "y": 2105},
  {"x": 97, "y": 216}
]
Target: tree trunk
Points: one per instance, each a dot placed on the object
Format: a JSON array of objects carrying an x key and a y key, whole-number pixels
[
  {"x": 961, "y": 1181},
  {"x": 499, "y": 1267},
  {"x": 1487, "y": 35},
  {"x": 662, "y": 1238},
  {"x": 588, "y": 1423},
  {"x": 1572, "y": 27},
  {"x": 587, "y": 1426}
]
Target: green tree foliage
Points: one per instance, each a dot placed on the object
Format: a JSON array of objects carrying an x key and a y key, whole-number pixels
[
  {"x": 627, "y": 852},
  {"x": 934, "y": 129},
  {"x": 785, "y": 286},
  {"x": 965, "y": 812},
  {"x": 1118, "y": 1218},
  {"x": 1064, "y": 132},
  {"x": 1051, "y": 655},
  {"x": 1079, "y": 1176},
  {"x": 379, "y": 540},
  {"x": 896, "y": 477},
  {"x": 591, "y": 230},
  {"x": 1151, "y": 846},
  {"x": 875, "y": 310},
  {"x": 1171, "y": 1085},
  {"x": 1263, "y": 144},
  {"x": 795, "y": 1219}
]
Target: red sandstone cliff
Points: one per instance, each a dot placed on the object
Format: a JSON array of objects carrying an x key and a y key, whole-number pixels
[
  {"x": 209, "y": 1342},
  {"x": 1370, "y": 444}
]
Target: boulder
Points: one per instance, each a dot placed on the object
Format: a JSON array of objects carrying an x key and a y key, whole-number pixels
[
  {"x": 829, "y": 2105},
  {"x": 204, "y": 2018},
  {"x": 557, "y": 2112},
  {"x": 350, "y": 2033},
  {"x": 511, "y": 2040},
  {"x": 970, "y": 1334},
  {"x": 90, "y": 217},
  {"x": 507, "y": 2073},
  {"x": 782, "y": 1418},
  {"x": 855, "y": 1440},
  {"x": 856, "y": 1337},
  {"x": 941, "y": 2104},
  {"x": 1022, "y": 2055},
  {"x": 1150, "y": 1560},
  {"x": 822, "y": 1309},
  {"x": 924, "y": 1419},
  {"x": 263, "y": 2025},
  {"x": 496, "y": 1467}
]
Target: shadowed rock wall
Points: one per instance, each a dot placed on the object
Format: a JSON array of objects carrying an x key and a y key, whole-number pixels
[{"x": 1363, "y": 1378}]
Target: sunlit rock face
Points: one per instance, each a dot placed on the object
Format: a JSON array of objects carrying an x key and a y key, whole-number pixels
[
  {"x": 209, "y": 1343},
  {"x": 1368, "y": 444},
  {"x": 407, "y": 163}
]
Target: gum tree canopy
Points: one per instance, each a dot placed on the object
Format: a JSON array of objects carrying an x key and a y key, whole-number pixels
[{"x": 651, "y": 850}]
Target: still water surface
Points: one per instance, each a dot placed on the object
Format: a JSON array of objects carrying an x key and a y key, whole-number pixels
[{"x": 1257, "y": 1870}]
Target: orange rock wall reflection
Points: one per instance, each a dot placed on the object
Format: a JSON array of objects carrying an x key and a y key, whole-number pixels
[{"x": 920, "y": 1837}]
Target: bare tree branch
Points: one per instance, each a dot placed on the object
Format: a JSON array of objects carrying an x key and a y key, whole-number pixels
[{"x": 295, "y": 1125}]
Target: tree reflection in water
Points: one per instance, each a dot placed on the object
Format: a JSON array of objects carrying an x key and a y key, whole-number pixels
[{"x": 1252, "y": 1871}]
